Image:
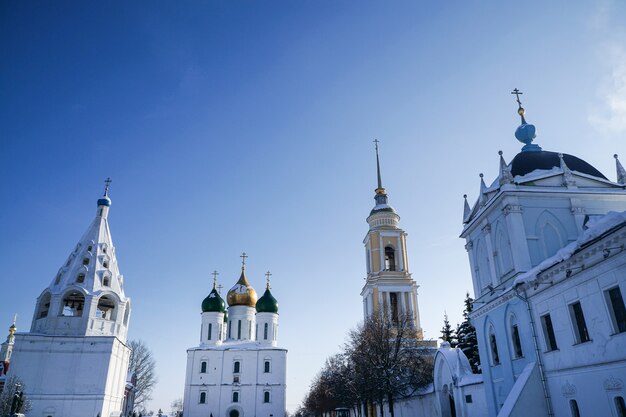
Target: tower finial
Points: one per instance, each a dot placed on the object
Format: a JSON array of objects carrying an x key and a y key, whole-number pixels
[
  {"x": 268, "y": 274},
  {"x": 380, "y": 189},
  {"x": 107, "y": 183},
  {"x": 621, "y": 173},
  {"x": 525, "y": 132},
  {"x": 215, "y": 274},
  {"x": 243, "y": 257}
]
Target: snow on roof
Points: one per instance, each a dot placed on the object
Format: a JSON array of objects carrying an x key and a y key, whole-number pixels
[{"x": 596, "y": 226}]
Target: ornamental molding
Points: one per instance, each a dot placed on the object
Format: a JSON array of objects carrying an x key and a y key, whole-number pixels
[
  {"x": 511, "y": 208},
  {"x": 568, "y": 389},
  {"x": 578, "y": 210},
  {"x": 469, "y": 245},
  {"x": 613, "y": 384},
  {"x": 491, "y": 305}
]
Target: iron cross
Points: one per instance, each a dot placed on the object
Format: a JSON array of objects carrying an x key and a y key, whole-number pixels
[
  {"x": 107, "y": 182},
  {"x": 215, "y": 274},
  {"x": 268, "y": 274},
  {"x": 243, "y": 257},
  {"x": 517, "y": 94}
]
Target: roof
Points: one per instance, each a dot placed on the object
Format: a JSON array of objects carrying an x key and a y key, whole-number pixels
[{"x": 526, "y": 162}]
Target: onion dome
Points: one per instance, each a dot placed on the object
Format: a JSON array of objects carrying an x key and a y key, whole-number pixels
[
  {"x": 213, "y": 303},
  {"x": 242, "y": 294},
  {"x": 267, "y": 303}
]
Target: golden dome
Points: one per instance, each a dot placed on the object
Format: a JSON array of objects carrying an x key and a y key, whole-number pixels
[{"x": 242, "y": 294}]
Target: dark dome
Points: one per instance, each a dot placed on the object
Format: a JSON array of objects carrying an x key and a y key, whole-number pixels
[
  {"x": 526, "y": 162},
  {"x": 213, "y": 303},
  {"x": 267, "y": 303}
]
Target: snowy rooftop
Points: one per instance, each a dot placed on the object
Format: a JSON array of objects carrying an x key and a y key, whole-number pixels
[
  {"x": 596, "y": 227},
  {"x": 239, "y": 345}
]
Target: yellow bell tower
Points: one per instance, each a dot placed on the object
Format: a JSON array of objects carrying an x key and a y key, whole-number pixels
[{"x": 388, "y": 287}]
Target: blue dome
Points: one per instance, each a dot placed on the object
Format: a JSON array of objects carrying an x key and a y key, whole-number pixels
[{"x": 104, "y": 201}]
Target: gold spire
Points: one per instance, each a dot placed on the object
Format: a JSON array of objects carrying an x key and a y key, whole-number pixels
[
  {"x": 380, "y": 189},
  {"x": 13, "y": 328}
]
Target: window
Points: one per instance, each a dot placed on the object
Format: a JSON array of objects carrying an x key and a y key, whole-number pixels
[
  {"x": 249, "y": 329},
  {"x": 105, "y": 281},
  {"x": 615, "y": 302},
  {"x": 494, "y": 349},
  {"x": 210, "y": 330},
  {"x": 73, "y": 304},
  {"x": 230, "y": 325},
  {"x": 390, "y": 259},
  {"x": 266, "y": 396},
  {"x": 468, "y": 399},
  {"x": 578, "y": 320},
  {"x": 265, "y": 328},
  {"x": 106, "y": 308},
  {"x": 236, "y": 379},
  {"x": 620, "y": 406},
  {"x": 80, "y": 278},
  {"x": 517, "y": 342},
  {"x": 238, "y": 329},
  {"x": 237, "y": 367},
  {"x": 203, "y": 367},
  {"x": 393, "y": 300},
  {"x": 573, "y": 405},
  {"x": 86, "y": 261},
  {"x": 105, "y": 264},
  {"x": 44, "y": 306},
  {"x": 235, "y": 396},
  {"x": 89, "y": 248},
  {"x": 267, "y": 367},
  {"x": 203, "y": 397},
  {"x": 548, "y": 333}
]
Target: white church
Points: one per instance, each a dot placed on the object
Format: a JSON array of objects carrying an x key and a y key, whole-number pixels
[
  {"x": 74, "y": 360},
  {"x": 238, "y": 369}
]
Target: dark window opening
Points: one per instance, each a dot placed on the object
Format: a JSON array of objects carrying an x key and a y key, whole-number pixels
[
  {"x": 620, "y": 406},
  {"x": 80, "y": 278},
  {"x": 73, "y": 304},
  {"x": 548, "y": 333},
  {"x": 267, "y": 367},
  {"x": 237, "y": 367},
  {"x": 106, "y": 308},
  {"x": 393, "y": 299},
  {"x": 494, "y": 349},
  {"x": 202, "y": 397},
  {"x": 468, "y": 399},
  {"x": 235, "y": 397},
  {"x": 390, "y": 259},
  {"x": 517, "y": 342},
  {"x": 203, "y": 367},
  {"x": 86, "y": 261},
  {"x": 580, "y": 327},
  {"x": 238, "y": 329},
  {"x": 266, "y": 397},
  {"x": 210, "y": 330},
  {"x": 265, "y": 329},
  {"x": 573, "y": 405},
  {"x": 618, "y": 311}
]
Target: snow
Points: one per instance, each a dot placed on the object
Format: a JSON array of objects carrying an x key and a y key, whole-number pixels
[
  {"x": 382, "y": 206},
  {"x": 596, "y": 226},
  {"x": 537, "y": 174}
]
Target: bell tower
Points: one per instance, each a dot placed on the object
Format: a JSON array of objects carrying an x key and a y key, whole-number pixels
[{"x": 388, "y": 287}]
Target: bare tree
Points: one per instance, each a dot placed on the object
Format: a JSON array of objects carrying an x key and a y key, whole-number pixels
[
  {"x": 142, "y": 363},
  {"x": 389, "y": 360},
  {"x": 11, "y": 386},
  {"x": 177, "y": 407}
]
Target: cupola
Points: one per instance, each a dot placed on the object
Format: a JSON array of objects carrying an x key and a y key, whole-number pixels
[
  {"x": 267, "y": 303},
  {"x": 242, "y": 293}
]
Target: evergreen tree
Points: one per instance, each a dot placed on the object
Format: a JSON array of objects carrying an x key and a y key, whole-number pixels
[
  {"x": 466, "y": 336},
  {"x": 447, "y": 334}
]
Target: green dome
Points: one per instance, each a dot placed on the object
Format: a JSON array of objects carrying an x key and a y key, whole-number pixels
[
  {"x": 267, "y": 303},
  {"x": 213, "y": 303}
]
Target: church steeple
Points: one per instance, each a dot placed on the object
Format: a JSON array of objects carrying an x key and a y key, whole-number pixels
[
  {"x": 389, "y": 287},
  {"x": 86, "y": 297}
]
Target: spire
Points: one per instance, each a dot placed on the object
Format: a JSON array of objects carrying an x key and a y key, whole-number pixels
[
  {"x": 505, "y": 176},
  {"x": 621, "y": 173},
  {"x": 483, "y": 190},
  {"x": 525, "y": 132},
  {"x": 380, "y": 181},
  {"x": 466, "y": 208}
]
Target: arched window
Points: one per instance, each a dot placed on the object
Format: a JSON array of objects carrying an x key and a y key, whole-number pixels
[
  {"x": 482, "y": 265},
  {"x": 105, "y": 281},
  {"x": 233, "y": 413},
  {"x": 266, "y": 396},
  {"x": 44, "y": 306},
  {"x": 236, "y": 367},
  {"x": 551, "y": 233},
  {"x": 573, "y": 405},
  {"x": 80, "y": 278},
  {"x": 105, "y": 264},
  {"x": 236, "y": 396},
  {"x": 203, "y": 397},
  {"x": 493, "y": 345},
  {"x": 210, "y": 331},
  {"x": 267, "y": 366},
  {"x": 620, "y": 406},
  {"x": 516, "y": 341},
  {"x": 85, "y": 261},
  {"x": 73, "y": 304},
  {"x": 265, "y": 329},
  {"x": 504, "y": 258},
  {"x": 390, "y": 258},
  {"x": 106, "y": 308},
  {"x": 203, "y": 367}
]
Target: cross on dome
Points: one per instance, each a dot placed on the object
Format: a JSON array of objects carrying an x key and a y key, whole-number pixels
[
  {"x": 268, "y": 274},
  {"x": 215, "y": 274},
  {"x": 107, "y": 183},
  {"x": 243, "y": 257}
]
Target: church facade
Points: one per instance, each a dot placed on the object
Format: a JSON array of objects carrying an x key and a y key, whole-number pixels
[
  {"x": 74, "y": 360},
  {"x": 238, "y": 369},
  {"x": 545, "y": 243}
]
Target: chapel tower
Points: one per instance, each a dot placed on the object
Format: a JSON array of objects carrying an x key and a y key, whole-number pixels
[
  {"x": 74, "y": 360},
  {"x": 388, "y": 286}
]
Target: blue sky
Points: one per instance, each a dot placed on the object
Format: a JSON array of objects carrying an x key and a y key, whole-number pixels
[{"x": 248, "y": 126}]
